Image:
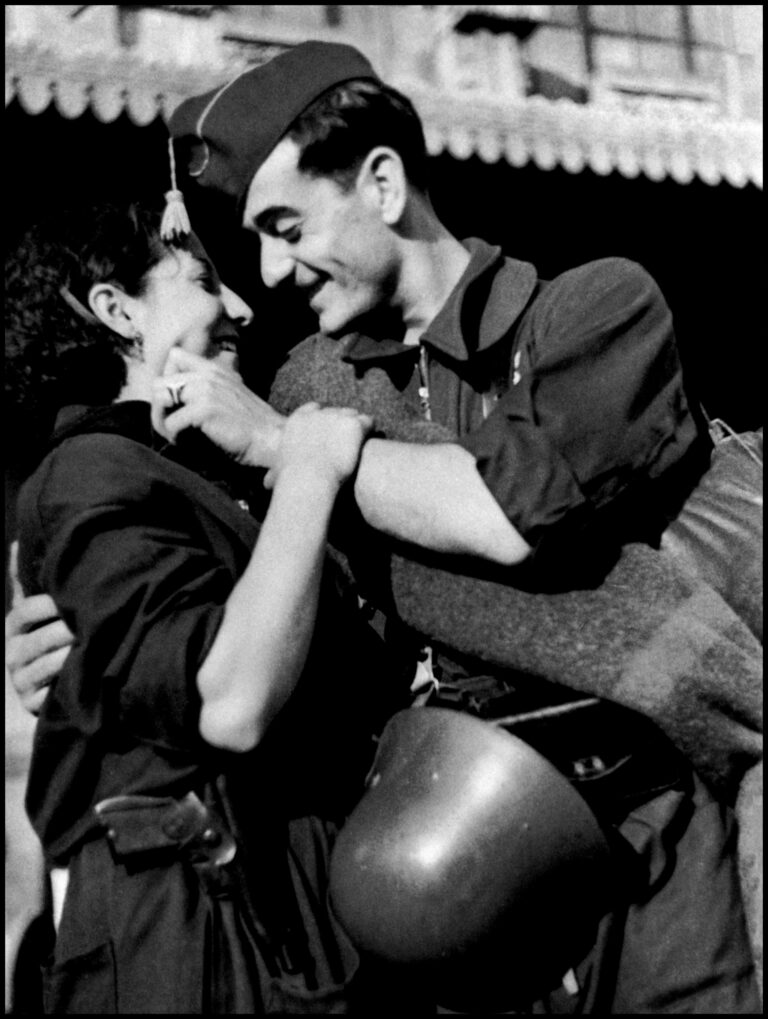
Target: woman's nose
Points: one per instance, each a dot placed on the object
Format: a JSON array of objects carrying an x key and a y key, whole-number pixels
[{"x": 235, "y": 307}]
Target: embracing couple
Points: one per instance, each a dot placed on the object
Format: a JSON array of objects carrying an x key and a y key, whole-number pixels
[{"x": 468, "y": 489}]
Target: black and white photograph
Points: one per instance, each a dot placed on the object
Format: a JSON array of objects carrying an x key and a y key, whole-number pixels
[{"x": 384, "y": 509}]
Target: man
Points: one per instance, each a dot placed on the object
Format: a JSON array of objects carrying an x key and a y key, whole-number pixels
[
  {"x": 574, "y": 434},
  {"x": 332, "y": 177}
]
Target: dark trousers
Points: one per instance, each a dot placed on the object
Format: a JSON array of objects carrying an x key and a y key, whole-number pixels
[{"x": 137, "y": 938}]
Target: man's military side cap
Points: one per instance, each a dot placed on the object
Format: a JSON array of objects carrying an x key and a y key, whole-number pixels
[{"x": 223, "y": 136}]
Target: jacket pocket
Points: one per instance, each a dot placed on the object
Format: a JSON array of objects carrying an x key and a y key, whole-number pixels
[{"x": 82, "y": 985}]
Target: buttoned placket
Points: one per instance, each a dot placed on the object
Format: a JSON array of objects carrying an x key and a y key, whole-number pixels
[
  {"x": 424, "y": 403},
  {"x": 364, "y": 350},
  {"x": 425, "y": 682}
]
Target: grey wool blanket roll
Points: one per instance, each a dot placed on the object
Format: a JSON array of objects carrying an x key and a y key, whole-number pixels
[{"x": 654, "y": 636}]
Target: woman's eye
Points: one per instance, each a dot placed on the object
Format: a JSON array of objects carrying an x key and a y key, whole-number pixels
[{"x": 209, "y": 283}]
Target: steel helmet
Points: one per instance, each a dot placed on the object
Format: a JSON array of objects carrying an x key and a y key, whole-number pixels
[{"x": 471, "y": 857}]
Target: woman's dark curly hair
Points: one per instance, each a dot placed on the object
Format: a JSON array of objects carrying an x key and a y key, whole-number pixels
[{"x": 54, "y": 356}]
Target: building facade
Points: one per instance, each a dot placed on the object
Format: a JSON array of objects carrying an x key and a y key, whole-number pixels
[{"x": 658, "y": 90}]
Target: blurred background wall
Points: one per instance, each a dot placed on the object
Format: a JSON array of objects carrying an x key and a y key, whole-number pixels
[{"x": 561, "y": 132}]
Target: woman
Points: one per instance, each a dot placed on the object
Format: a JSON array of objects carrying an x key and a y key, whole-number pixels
[{"x": 195, "y": 737}]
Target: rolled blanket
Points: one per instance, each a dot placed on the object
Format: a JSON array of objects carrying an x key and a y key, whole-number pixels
[
  {"x": 654, "y": 636},
  {"x": 749, "y": 813},
  {"x": 650, "y": 637},
  {"x": 719, "y": 533}
]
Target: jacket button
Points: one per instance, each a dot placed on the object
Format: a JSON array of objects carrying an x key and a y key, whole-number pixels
[{"x": 210, "y": 837}]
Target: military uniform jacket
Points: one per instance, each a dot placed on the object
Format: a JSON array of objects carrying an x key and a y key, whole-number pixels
[{"x": 569, "y": 393}]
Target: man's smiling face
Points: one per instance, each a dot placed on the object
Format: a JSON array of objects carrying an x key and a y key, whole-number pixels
[{"x": 329, "y": 243}]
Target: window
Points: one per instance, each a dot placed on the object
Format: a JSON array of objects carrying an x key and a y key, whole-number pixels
[{"x": 657, "y": 40}]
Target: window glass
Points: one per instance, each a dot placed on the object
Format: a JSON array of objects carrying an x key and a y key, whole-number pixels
[
  {"x": 658, "y": 20},
  {"x": 560, "y": 50},
  {"x": 708, "y": 64},
  {"x": 614, "y": 17},
  {"x": 707, "y": 23},
  {"x": 616, "y": 54},
  {"x": 564, "y": 14},
  {"x": 743, "y": 27},
  {"x": 661, "y": 58}
]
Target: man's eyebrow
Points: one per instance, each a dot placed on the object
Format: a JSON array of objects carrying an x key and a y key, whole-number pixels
[{"x": 267, "y": 220}]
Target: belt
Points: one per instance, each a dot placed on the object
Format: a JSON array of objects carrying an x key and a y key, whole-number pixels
[{"x": 136, "y": 825}]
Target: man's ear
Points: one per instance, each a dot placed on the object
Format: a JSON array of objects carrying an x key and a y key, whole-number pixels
[
  {"x": 382, "y": 180},
  {"x": 111, "y": 305}
]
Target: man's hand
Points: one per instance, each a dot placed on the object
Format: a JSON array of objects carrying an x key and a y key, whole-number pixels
[
  {"x": 37, "y": 642},
  {"x": 213, "y": 398}
]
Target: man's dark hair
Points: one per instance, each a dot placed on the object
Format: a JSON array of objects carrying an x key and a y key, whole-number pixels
[
  {"x": 55, "y": 356},
  {"x": 338, "y": 130}
]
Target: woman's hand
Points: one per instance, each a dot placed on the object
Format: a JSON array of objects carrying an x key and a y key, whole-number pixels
[
  {"x": 195, "y": 392},
  {"x": 320, "y": 442}
]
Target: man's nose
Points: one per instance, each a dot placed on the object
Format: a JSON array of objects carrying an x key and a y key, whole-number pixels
[
  {"x": 277, "y": 263},
  {"x": 235, "y": 307}
]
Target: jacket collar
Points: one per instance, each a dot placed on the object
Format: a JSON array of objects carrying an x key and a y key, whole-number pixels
[
  {"x": 130, "y": 418},
  {"x": 497, "y": 287}
]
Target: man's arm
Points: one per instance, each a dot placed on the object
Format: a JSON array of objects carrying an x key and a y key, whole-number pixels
[
  {"x": 596, "y": 414},
  {"x": 433, "y": 496},
  {"x": 427, "y": 494}
]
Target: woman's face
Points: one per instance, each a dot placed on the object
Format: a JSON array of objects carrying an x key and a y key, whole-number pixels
[{"x": 185, "y": 305}]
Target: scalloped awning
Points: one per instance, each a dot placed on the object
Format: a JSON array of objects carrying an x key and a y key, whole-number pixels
[
  {"x": 108, "y": 85},
  {"x": 654, "y": 141}
]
